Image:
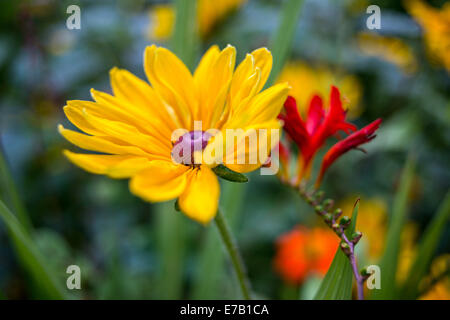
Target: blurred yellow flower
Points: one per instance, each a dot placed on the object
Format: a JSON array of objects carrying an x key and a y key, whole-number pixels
[
  {"x": 134, "y": 127},
  {"x": 391, "y": 49},
  {"x": 307, "y": 81},
  {"x": 408, "y": 250},
  {"x": 209, "y": 13},
  {"x": 162, "y": 18},
  {"x": 436, "y": 26},
  {"x": 438, "y": 281}
]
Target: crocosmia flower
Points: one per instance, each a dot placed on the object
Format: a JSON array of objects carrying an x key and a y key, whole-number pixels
[
  {"x": 320, "y": 124},
  {"x": 302, "y": 252},
  {"x": 310, "y": 134},
  {"x": 134, "y": 128}
]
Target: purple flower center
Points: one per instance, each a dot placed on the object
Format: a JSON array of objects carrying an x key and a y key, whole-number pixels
[{"x": 190, "y": 142}]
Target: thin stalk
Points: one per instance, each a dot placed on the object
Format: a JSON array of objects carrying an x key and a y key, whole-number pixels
[
  {"x": 339, "y": 229},
  {"x": 233, "y": 250}
]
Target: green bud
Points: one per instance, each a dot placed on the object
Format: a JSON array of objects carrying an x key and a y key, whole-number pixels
[
  {"x": 328, "y": 203},
  {"x": 345, "y": 221},
  {"x": 345, "y": 247},
  {"x": 337, "y": 213},
  {"x": 328, "y": 217},
  {"x": 336, "y": 228},
  {"x": 364, "y": 272},
  {"x": 356, "y": 236},
  {"x": 318, "y": 209},
  {"x": 319, "y": 195}
]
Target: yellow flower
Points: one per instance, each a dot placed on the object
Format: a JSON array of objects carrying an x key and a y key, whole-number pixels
[
  {"x": 306, "y": 82},
  {"x": 436, "y": 27},
  {"x": 134, "y": 127},
  {"x": 437, "y": 290},
  {"x": 209, "y": 13},
  {"x": 162, "y": 18},
  {"x": 390, "y": 49}
]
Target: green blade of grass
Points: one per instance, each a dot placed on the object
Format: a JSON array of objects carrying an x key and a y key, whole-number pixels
[
  {"x": 389, "y": 260},
  {"x": 282, "y": 41},
  {"x": 427, "y": 248},
  {"x": 337, "y": 283},
  {"x": 208, "y": 281},
  {"x": 31, "y": 259},
  {"x": 10, "y": 189},
  {"x": 184, "y": 39}
]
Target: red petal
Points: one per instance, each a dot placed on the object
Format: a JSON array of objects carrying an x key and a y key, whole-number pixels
[
  {"x": 354, "y": 140},
  {"x": 316, "y": 114}
]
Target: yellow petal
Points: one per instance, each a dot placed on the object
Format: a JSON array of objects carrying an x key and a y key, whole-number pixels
[
  {"x": 263, "y": 61},
  {"x": 75, "y": 115},
  {"x": 256, "y": 154},
  {"x": 140, "y": 98},
  {"x": 200, "y": 200},
  {"x": 129, "y": 135},
  {"x": 216, "y": 86},
  {"x": 114, "y": 166},
  {"x": 264, "y": 107},
  {"x": 100, "y": 144},
  {"x": 173, "y": 81},
  {"x": 161, "y": 181},
  {"x": 113, "y": 108}
]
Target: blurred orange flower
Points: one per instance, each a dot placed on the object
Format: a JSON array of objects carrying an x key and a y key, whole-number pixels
[{"x": 303, "y": 251}]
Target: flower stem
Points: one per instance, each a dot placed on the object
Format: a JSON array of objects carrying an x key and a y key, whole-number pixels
[
  {"x": 233, "y": 250},
  {"x": 339, "y": 229}
]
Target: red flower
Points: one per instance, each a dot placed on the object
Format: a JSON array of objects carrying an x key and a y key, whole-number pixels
[
  {"x": 353, "y": 141},
  {"x": 311, "y": 134}
]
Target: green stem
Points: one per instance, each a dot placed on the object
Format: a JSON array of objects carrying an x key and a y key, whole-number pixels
[{"x": 233, "y": 251}]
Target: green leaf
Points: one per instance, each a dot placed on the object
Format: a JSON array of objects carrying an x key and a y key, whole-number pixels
[
  {"x": 184, "y": 40},
  {"x": 337, "y": 284},
  {"x": 282, "y": 41},
  {"x": 228, "y": 174},
  {"x": 7, "y": 182},
  {"x": 427, "y": 248},
  {"x": 389, "y": 260},
  {"x": 32, "y": 260}
]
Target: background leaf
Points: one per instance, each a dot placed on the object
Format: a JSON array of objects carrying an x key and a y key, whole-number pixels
[
  {"x": 427, "y": 248},
  {"x": 389, "y": 261},
  {"x": 282, "y": 41},
  {"x": 35, "y": 265},
  {"x": 337, "y": 284}
]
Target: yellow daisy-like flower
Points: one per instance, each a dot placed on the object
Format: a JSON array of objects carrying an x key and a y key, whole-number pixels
[
  {"x": 134, "y": 127},
  {"x": 209, "y": 13},
  {"x": 436, "y": 27},
  {"x": 307, "y": 81},
  {"x": 391, "y": 49}
]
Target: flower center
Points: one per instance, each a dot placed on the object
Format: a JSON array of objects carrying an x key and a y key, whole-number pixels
[{"x": 187, "y": 145}]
